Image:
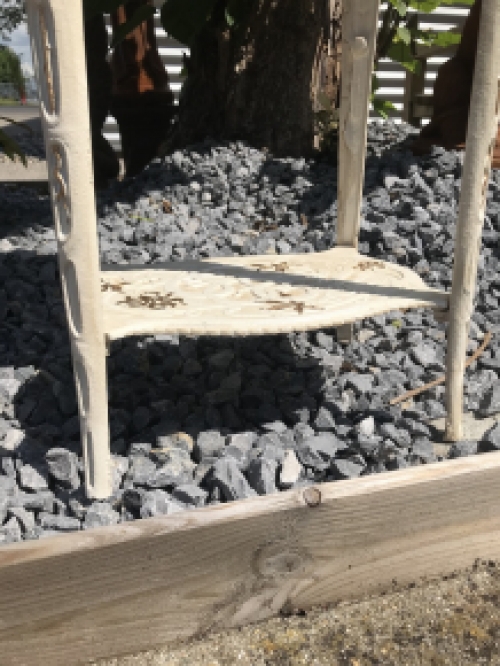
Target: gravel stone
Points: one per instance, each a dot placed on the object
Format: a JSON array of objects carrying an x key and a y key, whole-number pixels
[
  {"x": 142, "y": 471},
  {"x": 190, "y": 494},
  {"x": 177, "y": 469},
  {"x": 490, "y": 440},
  {"x": 290, "y": 470},
  {"x": 58, "y": 523},
  {"x": 366, "y": 427},
  {"x": 489, "y": 404},
  {"x": 346, "y": 469},
  {"x": 424, "y": 355},
  {"x": 8, "y": 486},
  {"x": 25, "y": 519},
  {"x": 463, "y": 449},
  {"x": 261, "y": 475},
  {"x": 228, "y": 479},
  {"x": 11, "y": 532},
  {"x": 11, "y": 441},
  {"x": 158, "y": 503},
  {"x": 318, "y": 451},
  {"x": 63, "y": 467},
  {"x": 208, "y": 444},
  {"x": 100, "y": 514},
  {"x": 33, "y": 479}
]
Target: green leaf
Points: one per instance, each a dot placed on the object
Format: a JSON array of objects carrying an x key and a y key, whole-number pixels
[
  {"x": 383, "y": 107},
  {"x": 401, "y": 53},
  {"x": 11, "y": 148},
  {"x": 140, "y": 15},
  {"x": 424, "y": 5},
  {"x": 403, "y": 34},
  {"x": 229, "y": 18},
  {"x": 400, "y": 6},
  {"x": 438, "y": 38},
  {"x": 184, "y": 19}
]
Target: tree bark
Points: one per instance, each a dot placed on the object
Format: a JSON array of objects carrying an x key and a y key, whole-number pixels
[{"x": 262, "y": 85}]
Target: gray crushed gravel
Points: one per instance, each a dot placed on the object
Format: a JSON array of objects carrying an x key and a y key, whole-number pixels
[{"x": 207, "y": 420}]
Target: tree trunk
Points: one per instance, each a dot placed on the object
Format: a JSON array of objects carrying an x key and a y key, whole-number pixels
[{"x": 262, "y": 86}]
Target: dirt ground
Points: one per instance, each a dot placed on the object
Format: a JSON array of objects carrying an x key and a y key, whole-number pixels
[{"x": 452, "y": 621}]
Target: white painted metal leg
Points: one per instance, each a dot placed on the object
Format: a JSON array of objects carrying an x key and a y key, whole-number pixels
[
  {"x": 56, "y": 31},
  {"x": 481, "y": 134},
  {"x": 359, "y": 32}
]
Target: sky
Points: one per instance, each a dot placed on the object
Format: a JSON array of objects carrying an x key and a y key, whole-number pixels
[{"x": 20, "y": 43}]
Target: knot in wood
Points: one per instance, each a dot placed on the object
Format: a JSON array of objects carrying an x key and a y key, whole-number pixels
[
  {"x": 359, "y": 47},
  {"x": 312, "y": 497}
]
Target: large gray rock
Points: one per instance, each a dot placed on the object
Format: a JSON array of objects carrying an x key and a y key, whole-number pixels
[
  {"x": 26, "y": 519},
  {"x": 318, "y": 451},
  {"x": 33, "y": 479},
  {"x": 63, "y": 467},
  {"x": 11, "y": 441},
  {"x": 190, "y": 494},
  {"x": 43, "y": 500},
  {"x": 100, "y": 514},
  {"x": 209, "y": 444},
  {"x": 424, "y": 355},
  {"x": 11, "y": 532},
  {"x": 58, "y": 523},
  {"x": 142, "y": 471},
  {"x": 4, "y": 505},
  {"x": 346, "y": 469},
  {"x": 490, "y": 440},
  {"x": 158, "y": 503},
  {"x": 291, "y": 469},
  {"x": 261, "y": 475},
  {"x": 228, "y": 479},
  {"x": 463, "y": 449},
  {"x": 489, "y": 404},
  {"x": 8, "y": 486},
  {"x": 177, "y": 469}
]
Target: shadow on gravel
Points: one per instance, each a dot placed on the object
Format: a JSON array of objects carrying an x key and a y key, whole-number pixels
[{"x": 156, "y": 386}]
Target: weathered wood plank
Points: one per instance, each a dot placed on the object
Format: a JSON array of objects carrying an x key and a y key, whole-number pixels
[
  {"x": 359, "y": 31},
  {"x": 482, "y": 131},
  {"x": 123, "y": 589}
]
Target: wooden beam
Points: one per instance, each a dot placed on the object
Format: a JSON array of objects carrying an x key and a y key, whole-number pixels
[{"x": 116, "y": 590}]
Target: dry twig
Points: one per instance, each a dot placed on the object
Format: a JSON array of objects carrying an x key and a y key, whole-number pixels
[{"x": 441, "y": 380}]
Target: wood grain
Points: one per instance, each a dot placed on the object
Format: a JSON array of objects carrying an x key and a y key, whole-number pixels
[
  {"x": 481, "y": 137},
  {"x": 123, "y": 589},
  {"x": 255, "y": 295},
  {"x": 359, "y": 32}
]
